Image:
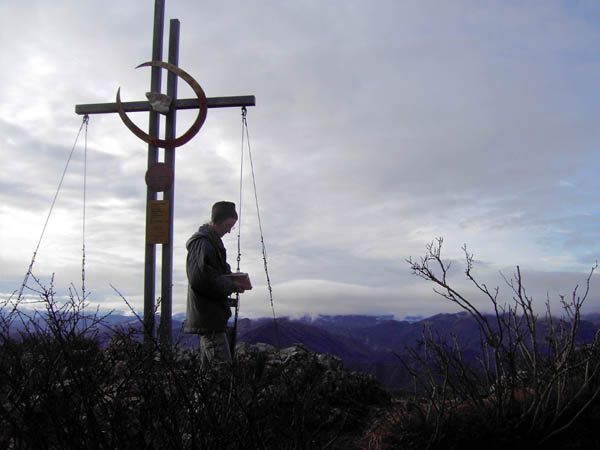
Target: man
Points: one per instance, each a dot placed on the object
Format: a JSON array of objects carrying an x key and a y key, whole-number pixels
[{"x": 208, "y": 286}]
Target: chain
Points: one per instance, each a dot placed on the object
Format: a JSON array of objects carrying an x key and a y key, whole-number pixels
[
  {"x": 84, "y": 122},
  {"x": 246, "y": 139},
  {"x": 239, "y": 236},
  {"x": 262, "y": 239}
]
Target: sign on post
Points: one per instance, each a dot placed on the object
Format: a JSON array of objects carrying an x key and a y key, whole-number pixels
[{"x": 157, "y": 231}]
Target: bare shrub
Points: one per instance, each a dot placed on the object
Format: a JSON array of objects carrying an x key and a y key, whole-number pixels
[
  {"x": 60, "y": 387},
  {"x": 532, "y": 380}
]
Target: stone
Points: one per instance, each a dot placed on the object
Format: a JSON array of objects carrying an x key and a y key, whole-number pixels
[{"x": 160, "y": 103}]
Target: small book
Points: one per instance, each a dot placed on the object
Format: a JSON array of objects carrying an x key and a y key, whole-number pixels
[{"x": 241, "y": 278}]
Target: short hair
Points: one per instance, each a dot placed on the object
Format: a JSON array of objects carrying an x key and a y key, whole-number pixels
[{"x": 223, "y": 210}]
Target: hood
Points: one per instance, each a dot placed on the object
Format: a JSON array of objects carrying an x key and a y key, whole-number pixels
[{"x": 205, "y": 232}]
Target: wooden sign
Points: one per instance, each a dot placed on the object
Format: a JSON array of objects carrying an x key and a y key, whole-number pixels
[
  {"x": 159, "y": 177},
  {"x": 157, "y": 229}
]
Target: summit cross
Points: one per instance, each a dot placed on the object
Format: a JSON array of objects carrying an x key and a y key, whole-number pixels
[{"x": 159, "y": 213}]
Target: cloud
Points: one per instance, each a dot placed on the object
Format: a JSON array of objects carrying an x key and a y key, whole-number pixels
[{"x": 378, "y": 127}]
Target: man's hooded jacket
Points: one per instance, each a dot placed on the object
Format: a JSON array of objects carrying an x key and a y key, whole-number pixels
[{"x": 207, "y": 307}]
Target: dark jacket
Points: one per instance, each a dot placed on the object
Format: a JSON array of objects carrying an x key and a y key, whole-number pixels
[{"x": 207, "y": 308}]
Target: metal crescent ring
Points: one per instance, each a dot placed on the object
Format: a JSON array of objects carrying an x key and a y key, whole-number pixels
[{"x": 191, "y": 132}]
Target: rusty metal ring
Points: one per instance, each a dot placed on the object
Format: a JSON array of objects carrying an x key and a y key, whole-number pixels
[{"x": 191, "y": 132}]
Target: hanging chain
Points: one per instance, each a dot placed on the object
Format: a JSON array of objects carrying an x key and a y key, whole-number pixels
[
  {"x": 239, "y": 236},
  {"x": 86, "y": 120},
  {"x": 246, "y": 138},
  {"x": 262, "y": 239},
  {"x": 19, "y": 298}
]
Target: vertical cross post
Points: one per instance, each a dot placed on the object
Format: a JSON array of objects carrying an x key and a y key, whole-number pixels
[
  {"x": 169, "y": 195},
  {"x": 154, "y": 128}
]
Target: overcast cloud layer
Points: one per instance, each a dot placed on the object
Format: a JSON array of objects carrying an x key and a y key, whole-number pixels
[{"x": 379, "y": 126}]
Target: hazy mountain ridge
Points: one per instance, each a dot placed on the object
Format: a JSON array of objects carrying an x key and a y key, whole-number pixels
[
  {"x": 592, "y": 317},
  {"x": 368, "y": 344},
  {"x": 363, "y": 336},
  {"x": 285, "y": 333}
]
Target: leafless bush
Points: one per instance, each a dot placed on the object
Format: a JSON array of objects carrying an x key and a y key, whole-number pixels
[
  {"x": 532, "y": 377},
  {"x": 60, "y": 387}
]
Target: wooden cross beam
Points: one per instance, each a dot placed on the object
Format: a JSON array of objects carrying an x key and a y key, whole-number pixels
[
  {"x": 186, "y": 103},
  {"x": 166, "y": 207}
]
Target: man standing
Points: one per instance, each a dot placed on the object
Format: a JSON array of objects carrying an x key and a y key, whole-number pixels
[{"x": 208, "y": 286}]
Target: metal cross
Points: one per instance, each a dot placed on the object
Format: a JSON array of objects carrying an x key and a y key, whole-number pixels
[{"x": 159, "y": 103}]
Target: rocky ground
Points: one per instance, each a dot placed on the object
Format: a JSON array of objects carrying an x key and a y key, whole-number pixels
[{"x": 359, "y": 399}]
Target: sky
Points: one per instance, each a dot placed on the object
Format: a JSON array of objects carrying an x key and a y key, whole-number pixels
[{"x": 379, "y": 126}]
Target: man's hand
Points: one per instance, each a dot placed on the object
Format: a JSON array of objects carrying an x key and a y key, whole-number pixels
[
  {"x": 240, "y": 281},
  {"x": 239, "y": 287}
]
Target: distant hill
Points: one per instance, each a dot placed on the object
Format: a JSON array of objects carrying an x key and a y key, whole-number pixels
[
  {"x": 288, "y": 332},
  {"x": 364, "y": 343},
  {"x": 370, "y": 344},
  {"x": 367, "y": 344},
  {"x": 592, "y": 317}
]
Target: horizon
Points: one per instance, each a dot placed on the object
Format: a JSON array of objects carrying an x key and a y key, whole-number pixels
[{"x": 180, "y": 316}]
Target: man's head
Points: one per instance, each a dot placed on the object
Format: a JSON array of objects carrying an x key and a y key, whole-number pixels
[{"x": 223, "y": 217}]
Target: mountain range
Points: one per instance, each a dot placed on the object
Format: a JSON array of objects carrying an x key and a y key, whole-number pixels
[{"x": 369, "y": 344}]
